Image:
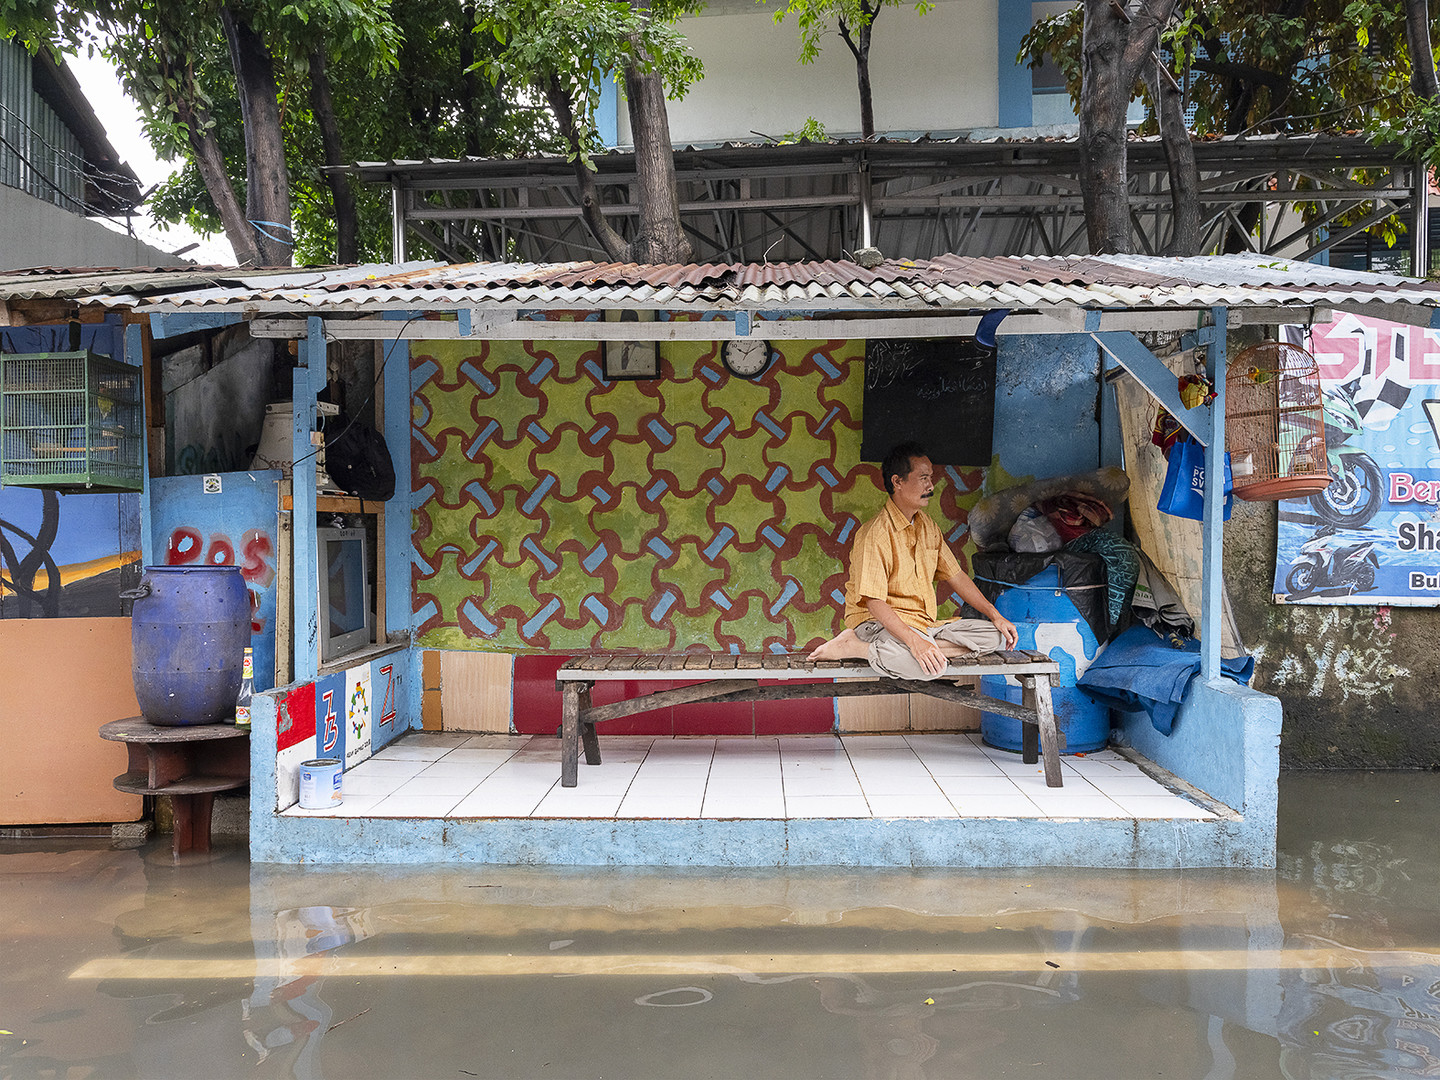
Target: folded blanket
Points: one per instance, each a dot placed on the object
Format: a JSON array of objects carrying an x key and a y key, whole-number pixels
[{"x": 1141, "y": 672}]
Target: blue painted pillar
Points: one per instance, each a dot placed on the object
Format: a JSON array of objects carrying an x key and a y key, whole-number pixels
[
  {"x": 1212, "y": 581},
  {"x": 399, "y": 550},
  {"x": 1016, "y": 96},
  {"x": 135, "y": 354},
  {"x": 306, "y": 381}
]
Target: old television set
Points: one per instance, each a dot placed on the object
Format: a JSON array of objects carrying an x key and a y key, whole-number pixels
[{"x": 344, "y": 601}]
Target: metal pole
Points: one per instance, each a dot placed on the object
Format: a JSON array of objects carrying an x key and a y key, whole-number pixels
[
  {"x": 865, "y": 205},
  {"x": 1212, "y": 581},
  {"x": 1420, "y": 259},
  {"x": 397, "y": 223}
]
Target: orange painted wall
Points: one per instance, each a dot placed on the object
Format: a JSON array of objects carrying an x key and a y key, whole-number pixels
[{"x": 60, "y": 679}]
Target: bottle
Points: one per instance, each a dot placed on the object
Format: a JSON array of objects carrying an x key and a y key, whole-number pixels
[{"x": 247, "y": 690}]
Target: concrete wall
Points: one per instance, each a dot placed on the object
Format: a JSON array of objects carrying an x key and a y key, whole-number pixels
[
  {"x": 754, "y": 81},
  {"x": 36, "y": 233},
  {"x": 215, "y": 398},
  {"x": 1357, "y": 683}
]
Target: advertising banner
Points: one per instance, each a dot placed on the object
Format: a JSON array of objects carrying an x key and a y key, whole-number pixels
[{"x": 1373, "y": 536}]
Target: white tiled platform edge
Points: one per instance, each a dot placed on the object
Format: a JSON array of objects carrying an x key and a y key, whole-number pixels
[{"x": 445, "y": 775}]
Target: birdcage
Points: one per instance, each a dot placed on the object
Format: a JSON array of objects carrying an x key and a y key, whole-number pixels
[
  {"x": 70, "y": 420},
  {"x": 1275, "y": 423}
]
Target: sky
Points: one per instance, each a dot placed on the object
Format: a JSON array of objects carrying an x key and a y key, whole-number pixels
[{"x": 120, "y": 117}]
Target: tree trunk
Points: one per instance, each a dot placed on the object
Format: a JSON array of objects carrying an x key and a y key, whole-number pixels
[
  {"x": 267, "y": 178},
  {"x": 564, "y": 109},
  {"x": 860, "y": 50},
  {"x": 1422, "y": 55},
  {"x": 1104, "y": 97},
  {"x": 659, "y": 237},
  {"x": 347, "y": 218},
  {"x": 1114, "y": 48},
  {"x": 210, "y": 163},
  {"x": 1180, "y": 157},
  {"x": 470, "y": 93}
]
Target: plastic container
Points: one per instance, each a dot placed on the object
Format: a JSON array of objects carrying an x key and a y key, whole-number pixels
[
  {"x": 1048, "y": 622},
  {"x": 188, "y": 632}
]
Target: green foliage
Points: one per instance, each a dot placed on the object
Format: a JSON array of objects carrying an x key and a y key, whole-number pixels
[
  {"x": 816, "y": 18},
  {"x": 583, "y": 43},
  {"x": 812, "y": 131},
  {"x": 401, "y": 77},
  {"x": 1252, "y": 69},
  {"x": 1418, "y": 136},
  {"x": 1248, "y": 67}
]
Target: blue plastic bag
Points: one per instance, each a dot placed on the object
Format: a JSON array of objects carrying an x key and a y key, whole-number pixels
[{"x": 1184, "y": 492}]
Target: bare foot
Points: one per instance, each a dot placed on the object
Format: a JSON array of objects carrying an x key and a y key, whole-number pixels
[{"x": 843, "y": 646}]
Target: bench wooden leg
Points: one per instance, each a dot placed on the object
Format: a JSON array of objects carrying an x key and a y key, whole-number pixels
[
  {"x": 1049, "y": 734},
  {"x": 1029, "y": 732},
  {"x": 570, "y": 735},
  {"x": 587, "y": 730}
]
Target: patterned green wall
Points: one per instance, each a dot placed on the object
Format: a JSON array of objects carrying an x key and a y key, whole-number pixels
[{"x": 558, "y": 511}]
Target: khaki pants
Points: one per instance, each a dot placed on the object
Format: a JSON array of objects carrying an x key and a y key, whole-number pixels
[{"x": 889, "y": 657}]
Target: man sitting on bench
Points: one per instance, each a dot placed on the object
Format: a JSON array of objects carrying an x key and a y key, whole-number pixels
[{"x": 890, "y": 603}]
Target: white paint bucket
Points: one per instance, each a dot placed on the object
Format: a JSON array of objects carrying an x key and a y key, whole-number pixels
[{"x": 320, "y": 783}]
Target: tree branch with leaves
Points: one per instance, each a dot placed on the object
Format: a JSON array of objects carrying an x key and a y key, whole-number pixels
[
  {"x": 563, "y": 51},
  {"x": 854, "y": 21}
]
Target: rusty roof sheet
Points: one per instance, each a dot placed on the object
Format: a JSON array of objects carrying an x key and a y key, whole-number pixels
[{"x": 945, "y": 283}]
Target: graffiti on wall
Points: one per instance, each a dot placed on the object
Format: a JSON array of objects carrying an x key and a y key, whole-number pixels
[
  {"x": 1333, "y": 654},
  {"x": 254, "y": 553},
  {"x": 556, "y": 510},
  {"x": 231, "y": 522},
  {"x": 66, "y": 556}
]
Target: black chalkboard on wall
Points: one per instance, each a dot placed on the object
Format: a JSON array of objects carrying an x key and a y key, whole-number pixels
[{"x": 940, "y": 393}]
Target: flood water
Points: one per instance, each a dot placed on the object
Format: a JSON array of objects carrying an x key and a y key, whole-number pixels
[{"x": 118, "y": 963}]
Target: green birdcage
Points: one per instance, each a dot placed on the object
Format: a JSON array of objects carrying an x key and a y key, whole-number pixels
[{"x": 70, "y": 420}]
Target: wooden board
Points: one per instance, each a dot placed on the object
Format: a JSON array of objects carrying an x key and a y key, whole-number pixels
[
  {"x": 475, "y": 690},
  {"x": 779, "y": 666},
  {"x": 60, "y": 679}
]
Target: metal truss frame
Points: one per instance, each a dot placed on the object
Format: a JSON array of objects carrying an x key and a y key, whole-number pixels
[{"x": 1281, "y": 196}]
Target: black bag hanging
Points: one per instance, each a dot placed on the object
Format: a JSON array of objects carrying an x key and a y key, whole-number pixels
[{"x": 359, "y": 461}]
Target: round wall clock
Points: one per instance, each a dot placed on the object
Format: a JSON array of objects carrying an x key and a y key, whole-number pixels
[{"x": 746, "y": 357}]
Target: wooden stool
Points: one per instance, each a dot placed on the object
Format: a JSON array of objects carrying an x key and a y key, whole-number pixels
[{"x": 189, "y": 764}]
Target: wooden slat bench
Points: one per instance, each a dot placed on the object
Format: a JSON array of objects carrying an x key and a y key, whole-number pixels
[{"x": 726, "y": 677}]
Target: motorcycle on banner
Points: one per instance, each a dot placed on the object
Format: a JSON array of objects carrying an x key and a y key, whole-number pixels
[
  {"x": 1357, "y": 487},
  {"x": 1329, "y": 561}
]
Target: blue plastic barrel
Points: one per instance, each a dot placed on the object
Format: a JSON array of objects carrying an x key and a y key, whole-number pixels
[
  {"x": 1047, "y": 621},
  {"x": 188, "y": 632}
]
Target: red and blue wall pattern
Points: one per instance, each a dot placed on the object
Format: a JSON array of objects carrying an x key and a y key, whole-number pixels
[{"x": 559, "y": 511}]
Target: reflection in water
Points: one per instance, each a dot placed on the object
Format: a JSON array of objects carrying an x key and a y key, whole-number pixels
[
  {"x": 118, "y": 963},
  {"x": 285, "y": 1015},
  {"x": 1370, "y": 891}
]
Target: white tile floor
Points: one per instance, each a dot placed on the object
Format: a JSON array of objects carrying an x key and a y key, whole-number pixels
[{"x": 441, "y": 775}]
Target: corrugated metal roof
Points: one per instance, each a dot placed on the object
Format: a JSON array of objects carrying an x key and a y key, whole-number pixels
[
  {"x": 947, "y": 283},
  {"x": 1061, "y": 139},
  {"x": 1128, "y": 281}
]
